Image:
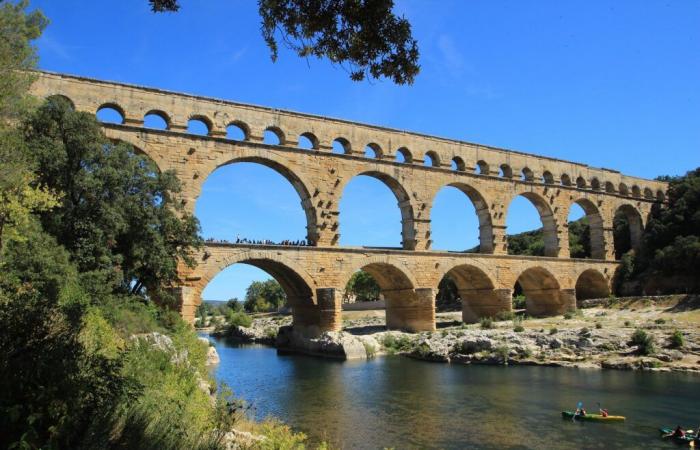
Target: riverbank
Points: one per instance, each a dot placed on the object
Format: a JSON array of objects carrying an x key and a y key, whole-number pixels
[{"x": 599, "y": 336}]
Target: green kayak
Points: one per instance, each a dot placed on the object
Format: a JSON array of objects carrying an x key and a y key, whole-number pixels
[
  {"x": 592, "y": 417},
  {"x": 687, "y": 439}
]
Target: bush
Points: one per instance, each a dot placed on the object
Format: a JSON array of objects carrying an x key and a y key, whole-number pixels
[
  {"x": 519, "y": 302},
  {"x": 486, "y": 323},
  {"x": 584, "y": 330},
  {"x": 598, "y": 325},
  {"x": 239, "y": 319},
  {"x": 553, "y": 331},
  {"x": 628, "y": 323},
  {"x": 502, "y": 352},
  {"x": 568, "y": 315},
  {"x": 643, "y": 341},
  {"x": 677, "y": 340},
  {"x": 397, "y": 344},
  {"x": 505, "y": 315},
  {"x": 518, "y": 325},
  {"x": 660, "y": 321}
]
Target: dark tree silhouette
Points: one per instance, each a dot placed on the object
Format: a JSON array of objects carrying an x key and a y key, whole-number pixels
[{"x": 363, "y": 36}]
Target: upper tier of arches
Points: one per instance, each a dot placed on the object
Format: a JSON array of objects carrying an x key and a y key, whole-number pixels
[{"x": 429, "y": 152}]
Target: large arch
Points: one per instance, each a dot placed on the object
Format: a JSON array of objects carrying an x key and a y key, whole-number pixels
[
  {"x": 408, "y": 238},
  {"x": 312, "y": 232},
  {"x": 542, "y": 292},
  {"x": 486, "y": 241},
  {"x": 477, "y": 292},
  {"x": 632, "y": 235},
  {"x": 296, "y": 282},
  {"x": 591, "y": 284},
  {"x": 549, "y": 226},
  {"x": 407, "y": 308},
  {"x": 595, "y": 226}
]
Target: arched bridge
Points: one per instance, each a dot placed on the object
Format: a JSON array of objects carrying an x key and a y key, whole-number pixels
[{"x": 415, "y": 167}]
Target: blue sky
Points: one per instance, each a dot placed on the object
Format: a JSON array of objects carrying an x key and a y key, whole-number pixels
[{"x": 609, "y": 83}]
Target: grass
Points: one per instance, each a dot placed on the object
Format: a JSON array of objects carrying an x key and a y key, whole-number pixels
[
  {"x": 518, "y": 325},
  {"x": 395, "y": 344},
  {"x": 677, "y": 340},
  {"x": 486, "y": 323}
]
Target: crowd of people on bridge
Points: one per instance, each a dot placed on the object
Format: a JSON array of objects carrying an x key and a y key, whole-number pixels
[{"x": 239, "y": 240}]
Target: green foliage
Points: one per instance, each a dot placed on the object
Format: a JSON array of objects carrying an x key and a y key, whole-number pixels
[
  {"x": 518, "y": 325},
  {"x": 502, "y": 351},
  {"x": 363, "y": 287},
  {"x": 364, "y": 36},
  {"x": 505, "y": 315},
  {"x": 568, "y": 315},
  {"x": 598, "y": 325},
  {"x": 677, "y": 340},
  {"x": 519, "y": 302},
  {"x": 239, "y": 319},
  {"x": 660, "y": 321},
  {"x": 580, "y": 238},
  {"x": 264, "y": 296},
  {"x": 395, "y": 344},
  {"x": 17, "y": 29},
  {"x": 528, "y": 243},
  {"x": 644, "y": 342},
  {"x": 553, "y": 331},
  {"x": 486, "y": 323},
  {"x": 628, "y": 323},
  {"x": 117, "y": 210}
]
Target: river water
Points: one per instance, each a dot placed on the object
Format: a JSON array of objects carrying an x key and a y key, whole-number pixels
[{"x": 401, "y": 403}]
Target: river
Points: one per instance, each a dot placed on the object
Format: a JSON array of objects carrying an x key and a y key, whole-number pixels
[{"x": 398, "y": 402}]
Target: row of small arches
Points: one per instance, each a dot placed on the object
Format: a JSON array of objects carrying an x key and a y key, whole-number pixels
[{"x": 237, "y": 130}]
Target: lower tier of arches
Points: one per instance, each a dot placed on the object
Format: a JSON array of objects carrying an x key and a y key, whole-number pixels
[{"x": 313, "y": 279}]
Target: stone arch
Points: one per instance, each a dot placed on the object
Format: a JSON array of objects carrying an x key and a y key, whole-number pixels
[
  {"x": 344, "y": 145},
  {"x": 547, "y": 177},
  {"x": 407, "y": 308},
  {"x": 624, "y": 190},
  {"x": 458, "y": 164},
  {"x": 660, "y": 196},
  {"x": 245, "y": 129},
  {"x": 406, "y": 154},
  {"x": 408, "y": 238},
  {"x": 595, "y": 184},
  {"x": 431, "y": 159},
  {"x": 565, "y": 179},
  {"x": 595, "y": 225},
  {"x": 277, "y": 131},
  {"x": 636, "y": 192},
  {"x": 477, "y": 292},
  {"x": 581, "y": 182},
  {"x": 113, "y": 106},
  {"x": 549, "y": 225},
  {"x": 312, "y": 232},
  {"x": 542, "y": 292},
  {"x": 591, "y": 284},
  {"x": 376, "y": 149},
  {"x": 62, "y": 98},
  {"x": 527, "y": 174},
  {"x": 158, "y": 113},
  {"x": 506, "y": 171},
  {"x": 635, "y": 228},
  {"x": 204, "y": 119},
  {"x": 609, "y": 187},
  {"x": 312, "y": 139},
  {"x": 486, "y": 240},
  {"x": 482, "y": 167},
  {"x": 139, "y": 148},
  {"x": 648, "y": 193}
]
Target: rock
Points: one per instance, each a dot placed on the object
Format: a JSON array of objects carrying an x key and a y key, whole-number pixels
[
  {"x": 333, "y": 344},
  {"x": 584, "y": 343},
  {"x": 432, "y": 350},
  {"x": 556, "y": 343},
  {"x": 618, "y": 363},
  {"x": 212, "y": 356},
  {"x": 474, "y": 344},
  {"x": 163, "y": 343},
  {"x": 663, "y": 357}
]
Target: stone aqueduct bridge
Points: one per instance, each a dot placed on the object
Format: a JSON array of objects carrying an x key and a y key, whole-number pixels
[{"x": 313, "y": 277}]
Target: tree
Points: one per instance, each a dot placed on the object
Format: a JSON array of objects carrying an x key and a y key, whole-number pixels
[
  {"x": 363, "y": 287},
  {"x": 363, "y": 35},
  {"x": 263, "y": 296},
  {"x": 117, "y": 217}
]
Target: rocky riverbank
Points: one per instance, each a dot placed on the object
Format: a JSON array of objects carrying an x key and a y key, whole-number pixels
[{"x": 596, "y": 337}]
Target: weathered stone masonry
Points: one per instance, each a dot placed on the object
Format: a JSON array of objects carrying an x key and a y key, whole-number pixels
[{"x": 313, "y": 277}]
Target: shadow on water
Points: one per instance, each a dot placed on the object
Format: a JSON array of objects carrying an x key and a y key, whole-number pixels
[{"x": 402, "y": 403}]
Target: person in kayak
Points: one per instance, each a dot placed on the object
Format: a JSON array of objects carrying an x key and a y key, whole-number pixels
[
  {"x": 580, "y": 412},
  {"x": 678, "y": 432},
  {"x": 603, "y": 412}
]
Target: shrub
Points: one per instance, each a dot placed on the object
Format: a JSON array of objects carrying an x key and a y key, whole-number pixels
[
  {"x": 486, "y": 323},
  {"x": 397, "y": 344},
  {"x": 519, "y": 302},
  {"x": 643, "y": 341},
  {"x": 660, "y": 321},
  {"x": 505, "y": 315},
  {"x": 677, "y": 339},
  {"x": 502, "y": 352},
  {"x": 553, "y": 330},
  {"x": 568, "y": 315},
  {"x": 239, "y": 319},
  {"x": 598, "y": 325},
  {"x": 628, "y": 323},
  {"x": 518, "y": 325},
  {"x": 584, "y": 330}
]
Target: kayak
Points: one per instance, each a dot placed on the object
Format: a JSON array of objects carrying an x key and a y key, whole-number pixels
[
  {"x": 688, "y": 438},
  {"x": 592, "y": 417}
]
